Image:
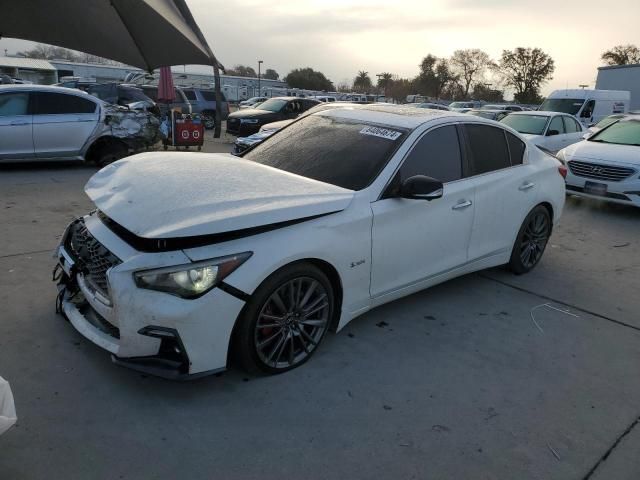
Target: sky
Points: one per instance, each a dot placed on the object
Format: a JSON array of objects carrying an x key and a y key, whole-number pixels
[{"x": 341, "y": 37}]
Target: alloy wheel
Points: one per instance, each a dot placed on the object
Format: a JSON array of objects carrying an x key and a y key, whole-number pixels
[
  {"x": 292, "y": 322},
  {"x": 534, "y": 239}
]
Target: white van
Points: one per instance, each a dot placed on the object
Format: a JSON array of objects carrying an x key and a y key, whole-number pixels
[{"x": 589, "y": 106}]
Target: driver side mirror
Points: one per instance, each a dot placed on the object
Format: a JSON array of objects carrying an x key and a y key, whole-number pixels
[
  {"x": 551, "y": 133},
  {"x": 421, "y": 187}
]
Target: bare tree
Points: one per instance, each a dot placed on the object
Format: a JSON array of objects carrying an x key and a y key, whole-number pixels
[
  {"x": 621, "y": 55},
  {"x": 470, "y": 65},
  {"x": 345, "y": 86}
]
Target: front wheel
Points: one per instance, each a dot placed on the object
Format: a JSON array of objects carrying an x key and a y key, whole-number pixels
[
  {"x": 285, "y": 320},
  {"x": 531, "y": 241}
]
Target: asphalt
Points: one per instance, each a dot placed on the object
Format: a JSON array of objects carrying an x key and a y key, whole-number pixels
[{"x": 489, "y": 376}]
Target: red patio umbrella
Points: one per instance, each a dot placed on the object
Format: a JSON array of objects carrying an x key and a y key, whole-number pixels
[{"x": 166, "y": 90}]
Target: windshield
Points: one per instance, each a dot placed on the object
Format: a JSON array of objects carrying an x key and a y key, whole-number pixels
[
  {"x": 531, "y": 124},
  {"x": 272, "y": 105},
  {"x": 606, "y": 121},
  {"x": 349, "y": 154},
  {"x": 460, "y": 105},
  {"x": 564, "y": 105},
  {"x": 621, "y": 133}
]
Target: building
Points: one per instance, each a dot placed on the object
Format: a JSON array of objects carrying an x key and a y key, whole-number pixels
[
  {"x": 234, "y": 88},
  {"x": 621, "y": 77},
  {"x": 29, "y": 69}
]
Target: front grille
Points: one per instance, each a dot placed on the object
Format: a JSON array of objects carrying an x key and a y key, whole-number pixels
[
  {"x": 233, "y": 125},
  {"x": 598, "y": 171},
  {"x": 93, "y": 259}
]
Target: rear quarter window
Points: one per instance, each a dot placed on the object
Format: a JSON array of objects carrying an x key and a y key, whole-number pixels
[{"x": 516, "y": 148}]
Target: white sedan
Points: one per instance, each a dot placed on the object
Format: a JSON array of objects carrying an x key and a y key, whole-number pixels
[
  {"x": 551, "y": 131},
  {"x": 606, "y": 166},
  {"x": 190, "y": 258}
]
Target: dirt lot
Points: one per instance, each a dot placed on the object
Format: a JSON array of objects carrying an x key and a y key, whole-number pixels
[{"x": 470, "y": 379}]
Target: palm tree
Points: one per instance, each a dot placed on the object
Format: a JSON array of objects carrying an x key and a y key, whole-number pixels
[
  {"x": 384, "y": 81},
  {"x": 362, "y": 82}
]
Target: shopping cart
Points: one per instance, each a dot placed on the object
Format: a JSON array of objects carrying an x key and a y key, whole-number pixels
[{"x": 185, "y": 130}]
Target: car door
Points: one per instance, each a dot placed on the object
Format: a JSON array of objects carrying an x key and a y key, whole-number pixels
[
  {"x": 505, "y": 188},
  {"x": 413, "y": 240},
  {"x": 573, "y": 131},
  {"x": 16, "y": 137},
  {"x": 555, "y": 137},
  {"x": 62, "y": 123}
]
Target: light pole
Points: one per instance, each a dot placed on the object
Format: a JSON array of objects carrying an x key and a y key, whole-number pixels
[
  {"x": 583, "y": 86},
  {"x": 260, "y": 62}
]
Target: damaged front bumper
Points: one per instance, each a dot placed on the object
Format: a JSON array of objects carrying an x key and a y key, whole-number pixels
[{"x": 152, "y": 332}]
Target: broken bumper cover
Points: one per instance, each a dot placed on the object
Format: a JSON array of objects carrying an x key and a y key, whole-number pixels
[{"x": 152, "y": 332}]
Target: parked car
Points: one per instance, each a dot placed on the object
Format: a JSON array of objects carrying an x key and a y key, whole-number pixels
[
  {"x": 344, "y": 210},
  {"x": 433, "y": 106},
  {"x": 496, "y": 115},
  {"x": 181, "y": 102},
  {"x": 551, "y": 131},
  {"x": 506, "y": 107},
  {"x": 55, "y": 123},
  {"x": 324, "y": 98},
  {"x": 588, "y": 106},
  {"x": 247, "y": 122},
  {"x": 251, "y": 102},
  {"x": 463, "y": 107},
  {"x": 204, "y": 102},
  {"x": 125, "y": 95},
  {"x": 606, "y": 165},
  {"x": 605, "y": 122},
  {"x": 242, "y": 144}
]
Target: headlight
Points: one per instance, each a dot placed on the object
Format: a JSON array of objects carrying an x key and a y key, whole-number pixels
[
  {"x": 191, "y": 280},
  {"x": 249, "y": 120},
  {"x": 560, "y": 156}
]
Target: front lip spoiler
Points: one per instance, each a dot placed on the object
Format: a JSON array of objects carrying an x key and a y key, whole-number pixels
[
  {"x": 158, "y": 367},
  {"x": 143, "y": 244}
]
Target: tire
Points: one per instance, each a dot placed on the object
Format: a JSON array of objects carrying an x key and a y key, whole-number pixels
[
  {"x": 271, "y": 339},
  {"x": 110, "y": 152},
  {"x": 531, "y": 241},
  {"x": 209, "y": 120}
]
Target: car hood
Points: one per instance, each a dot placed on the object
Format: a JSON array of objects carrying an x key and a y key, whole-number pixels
[
  {"x": 168, "y": 195},
  {"x": 585, "y": 150},
  {"x": 253, "y": 113},
  {"x": 532, "y": 137}
]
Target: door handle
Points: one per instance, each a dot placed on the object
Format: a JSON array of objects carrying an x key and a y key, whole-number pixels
[
  {"x": 526, "y": 186},
  {"x": 461, "y": 205}
]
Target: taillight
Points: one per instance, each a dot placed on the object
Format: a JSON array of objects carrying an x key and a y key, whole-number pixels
[{"x": 562, "y": 170}]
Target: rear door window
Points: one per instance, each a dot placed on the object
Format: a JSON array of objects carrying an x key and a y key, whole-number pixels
[
  {"x": 436, "y": 155},
  {"x": 488, "y": 148},
  {"x": 210, "y": 96},
  {"x": 516, "y": 148},
  {"x": 50, "y": 103},
  {"x": 13, "y": 104},
  {"x": 190, "y": 94}
]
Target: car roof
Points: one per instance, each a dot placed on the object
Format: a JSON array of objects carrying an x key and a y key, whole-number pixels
[
  {"x": 539, "y": 113},
  {"x": 41, "y": 88},
  {"x": 394, "y": 115}
]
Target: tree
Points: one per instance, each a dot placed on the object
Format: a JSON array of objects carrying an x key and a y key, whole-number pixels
[
  {"x": 484, "y": 92},
  {"x": 470, "y": 65},
  {"x": 435, "y": 75},
  {"x": 525, "y": 70},
  {"x": 384, "y": 81},
  {"x": 362, "y": 82},
  {"x": 241, "y": 71},
  {"x": 621, "y": 55},
  {"x": 271, "y": 74},
  {"x": 345, "y": 86},
  {"x": 308, "y": 79},
  {"x": 399, "y": 88},
  {"x": 49, "y": 52}
]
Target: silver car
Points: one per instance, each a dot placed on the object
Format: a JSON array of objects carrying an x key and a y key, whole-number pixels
[{"x": 55, "y": 123}]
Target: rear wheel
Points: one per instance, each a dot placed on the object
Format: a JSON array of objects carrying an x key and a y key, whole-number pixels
[
  {"x": 531, "y": 241},
  {"x": 285, "y": 320}
]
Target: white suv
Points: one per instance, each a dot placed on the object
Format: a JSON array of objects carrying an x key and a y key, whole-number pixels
[{"x": 54, "y": 123}]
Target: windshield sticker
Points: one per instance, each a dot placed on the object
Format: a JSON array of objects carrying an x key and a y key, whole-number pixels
[{"x": 381, "y": 132}]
